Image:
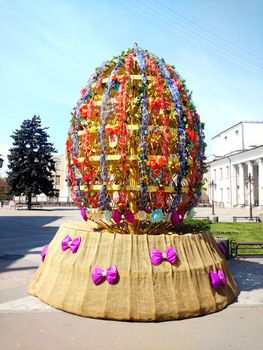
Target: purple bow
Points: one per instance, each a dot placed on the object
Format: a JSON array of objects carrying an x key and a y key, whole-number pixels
[
  {"x": 217, "y": 279},
  {"x": 157, "y": 257},
  {"x": 83, "y": 214},
  {"x": 222, "y": 247},
  {"x": 44, "y": 252},
  {"x": 73, "y": 245},
  {"x": 118, "y": 215},
  {"x": 111, "y": 274},
  {"x": 177, "y": 217}
]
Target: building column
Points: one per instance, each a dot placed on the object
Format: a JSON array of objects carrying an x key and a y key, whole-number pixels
[
  {"x": 251, "y": 172},
  {"x": 234, "y": 186},
  {"x": 260, "y": 181},
  {"x": 241, "y": 184}
]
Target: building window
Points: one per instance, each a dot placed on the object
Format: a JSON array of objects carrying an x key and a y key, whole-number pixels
[
  {"x": 214, "y": 173},
  {"x": 225, "y": 138},
  {"x": 228, "y": 194},
  {"x": 221, "y": 173},
  {"x": 221, "y": 194},
  {"x": 236, "y": 132},
  {"x": 227, "y": 172},
  {"x": 57, "y": 164},
  {"x": 57, "y": 180}
]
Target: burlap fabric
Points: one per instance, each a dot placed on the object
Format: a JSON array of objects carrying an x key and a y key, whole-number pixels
[{"x": 143, "y": 292}]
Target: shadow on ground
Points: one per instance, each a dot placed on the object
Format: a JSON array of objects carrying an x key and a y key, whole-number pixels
[
  {"x": 247, "y": 274},
  {"x": 19, "y": 235}
]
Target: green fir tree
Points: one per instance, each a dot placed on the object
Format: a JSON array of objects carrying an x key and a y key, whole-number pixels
[{"x": 30, "y": 161}]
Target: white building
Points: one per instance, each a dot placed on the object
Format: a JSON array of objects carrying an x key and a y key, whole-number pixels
[
  {"x": 61, "y": 188},
  {"x": 235, "y": 171}
]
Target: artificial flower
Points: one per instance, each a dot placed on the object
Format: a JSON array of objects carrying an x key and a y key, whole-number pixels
[
  {"x": 141, "y": 215},
  {"x": 107, "y": 214},
  {"x": 190, "y": 133},
  {"x": 177, "y": 217},
  {"x": 156, "y": 215}
]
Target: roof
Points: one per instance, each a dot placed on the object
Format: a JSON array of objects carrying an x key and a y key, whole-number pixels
[
  {"x": 234, "y": 153},
  {"x": 233, "y": 126}
]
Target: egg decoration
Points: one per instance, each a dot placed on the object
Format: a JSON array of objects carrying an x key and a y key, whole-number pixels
[{"x": 135, "y": 146}]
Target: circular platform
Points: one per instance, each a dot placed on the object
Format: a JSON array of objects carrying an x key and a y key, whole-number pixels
[{"x": 142, "y": 291}]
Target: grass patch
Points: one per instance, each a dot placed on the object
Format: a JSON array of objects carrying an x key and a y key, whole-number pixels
[{"x": 240, "y": 232}]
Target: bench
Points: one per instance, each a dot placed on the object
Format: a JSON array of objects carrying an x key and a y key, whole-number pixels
[
  {"x": 242, "y": 245},
  {"x": 36, "y": 206},
  {"x": 247, "y": 218},
  {"x": 207, "y": 218},
  {"x": 24, "y": 206},
  {"x": 20, "y": 206}
]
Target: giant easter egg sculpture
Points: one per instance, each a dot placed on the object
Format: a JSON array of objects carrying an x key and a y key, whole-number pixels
[
  {"x": 136, "y": 145},
  {"x": 135, "y": 153}
]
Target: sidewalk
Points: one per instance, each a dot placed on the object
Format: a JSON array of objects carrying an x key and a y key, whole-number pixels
[
  {"x": 26, "y": 322},
  {"x": 226, "y": 214}
]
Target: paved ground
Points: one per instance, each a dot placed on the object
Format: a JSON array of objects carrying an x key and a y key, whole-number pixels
[{"x": 27, "y": 323}]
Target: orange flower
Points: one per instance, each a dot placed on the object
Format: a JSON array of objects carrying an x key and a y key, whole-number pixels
[
  {"x": 83, "y": 109},
  {"x": 114, "y": 77},
  {"x": 112, "y": 129}
]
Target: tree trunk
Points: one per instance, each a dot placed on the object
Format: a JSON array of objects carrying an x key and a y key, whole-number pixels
[{"x": 29, "y": 201}]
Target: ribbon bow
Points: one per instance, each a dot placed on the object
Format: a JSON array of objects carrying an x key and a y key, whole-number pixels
[
  {"x": 222, "y": 247},
  {"x": 157, "y": 257},
  {"x": 44, "y": 252},
  {"x": 68, "y": 243},
  {"x": 111, "y": 274},
  {"x": 118, "y": 215},
  {"x": 217, "y": 279}
]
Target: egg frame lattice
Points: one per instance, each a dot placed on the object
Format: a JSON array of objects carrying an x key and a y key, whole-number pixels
[{"x": 135, "y": 147}]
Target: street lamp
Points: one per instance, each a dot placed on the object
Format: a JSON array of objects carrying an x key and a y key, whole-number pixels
[
  {"x": 212, "y": 185},
  {"x": 250, "y": 181}
]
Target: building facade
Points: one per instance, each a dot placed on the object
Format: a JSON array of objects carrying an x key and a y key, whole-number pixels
[
  {"x": 235, "y": 171},
  {"x": 61, "y": 188}
]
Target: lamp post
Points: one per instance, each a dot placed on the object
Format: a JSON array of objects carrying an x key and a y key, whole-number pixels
[
  {"x": 212, "y": 185},
  {"x": 250, "y": 181}
]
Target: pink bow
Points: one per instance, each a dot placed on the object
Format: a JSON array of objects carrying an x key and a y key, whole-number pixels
[
  {"x": 118, "y": 215},
  {"x": 217, "y": 279},
  {"x": 111, "y": 274},
  {"x": 83, "y": 214},
  {"x": 177, "y": 217},
  {"x": 73, "y": 245},
  {"x": 44, "y": 252},
  {"x": 157, "y": 257}
]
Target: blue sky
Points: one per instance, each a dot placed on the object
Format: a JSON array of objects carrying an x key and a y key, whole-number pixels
[{"x": 49, "y": 48}]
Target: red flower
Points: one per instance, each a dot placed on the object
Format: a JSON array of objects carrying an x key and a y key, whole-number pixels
[
  {"x": 190, "y": 133},
  {"x": 153, "y": 164},
  {"x": 177, "y": 82},
  {"x": 161, "y": 161},
  {"x": 83, "y": 91}
]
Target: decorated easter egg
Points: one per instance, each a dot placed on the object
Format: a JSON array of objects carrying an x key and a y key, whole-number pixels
[{"x": 135, "y": 146}]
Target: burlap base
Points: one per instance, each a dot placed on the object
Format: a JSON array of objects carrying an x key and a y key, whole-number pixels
[{"x": 143, "y": 292}]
